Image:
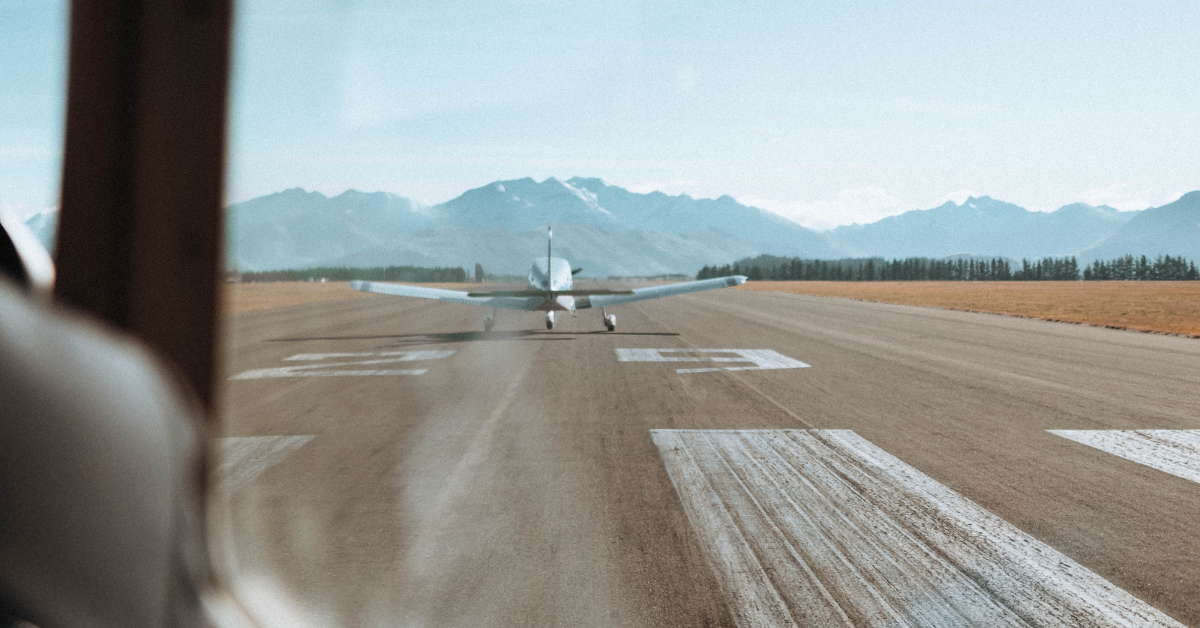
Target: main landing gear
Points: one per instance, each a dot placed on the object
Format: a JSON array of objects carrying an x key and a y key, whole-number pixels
[
  {"x": 549, "y": 320},
  {"x": 610, "y": 320}
]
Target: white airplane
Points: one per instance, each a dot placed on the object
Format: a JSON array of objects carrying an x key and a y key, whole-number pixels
[{"x": 549, "y": 290}]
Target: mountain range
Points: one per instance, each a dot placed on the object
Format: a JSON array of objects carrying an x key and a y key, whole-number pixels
[
  {"x": 605, "y": 229},
  {"x": 982, "y": 226},
  {"x": 611, "y": 231}
]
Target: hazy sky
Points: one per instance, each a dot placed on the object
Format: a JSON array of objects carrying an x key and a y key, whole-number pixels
[
  {"x": 33, "y": 54},
  {"x": 829, "y": 112}
]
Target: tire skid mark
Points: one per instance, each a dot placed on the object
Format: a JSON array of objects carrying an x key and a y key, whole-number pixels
[{"x": 839, "y": 532}]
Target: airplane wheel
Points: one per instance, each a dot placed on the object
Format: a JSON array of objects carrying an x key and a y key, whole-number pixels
[
  {"x": 611, "y": 327},
  {"x": 549, "y": 324}
]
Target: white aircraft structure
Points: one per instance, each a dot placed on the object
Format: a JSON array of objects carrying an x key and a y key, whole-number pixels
[{"x": 549, "y": 290}]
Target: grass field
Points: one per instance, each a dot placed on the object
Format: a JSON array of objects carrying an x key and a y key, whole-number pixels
[
  {"x": 246, "y": 297},
  {"x": 1160, "y": 306}
]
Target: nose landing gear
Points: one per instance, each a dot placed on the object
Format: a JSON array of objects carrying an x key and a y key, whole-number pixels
[
  {"x": 549, "y": 320},
  {"x": 489, "y": 321},
  {"x": 610, "y": 320}
]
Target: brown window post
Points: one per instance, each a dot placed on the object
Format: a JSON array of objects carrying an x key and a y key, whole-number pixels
[{"x": 140, "y": 235}]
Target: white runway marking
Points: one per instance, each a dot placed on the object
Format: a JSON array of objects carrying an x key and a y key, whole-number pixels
[
  {"x": 321, "y": 370},
  {"x": 241, "y": 459},
  {"x": 762, "y": 359},
  {"x": 1172, "y": 451},
  {"x": 822, "y": 528}
]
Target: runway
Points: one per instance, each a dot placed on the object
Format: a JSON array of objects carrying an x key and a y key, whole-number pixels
[{"x": 730, "y": 458}]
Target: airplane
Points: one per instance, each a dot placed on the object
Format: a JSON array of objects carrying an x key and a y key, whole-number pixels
[{"x": 549, "y": 290}]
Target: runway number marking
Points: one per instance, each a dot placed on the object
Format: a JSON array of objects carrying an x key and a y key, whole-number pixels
[
  {"x": 1171, "y": 451},
  {"x": 241, "y": 459},
  {"x": 324, "y": 369},
  {"x": 823, "y": 528},
  {"x": 762, "y": 359}
]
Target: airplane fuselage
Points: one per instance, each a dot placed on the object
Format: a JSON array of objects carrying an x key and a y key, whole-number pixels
[{"x": 549, "y": 274}]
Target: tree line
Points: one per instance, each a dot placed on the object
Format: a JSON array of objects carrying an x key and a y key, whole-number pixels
[
  {"x": 1161, "y": 268},
  {"x": 410, "y": 274},
  {"x": 772, "y": 268}
]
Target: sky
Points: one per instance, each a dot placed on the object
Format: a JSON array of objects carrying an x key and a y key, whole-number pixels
[
  {"x": 33, "y": 55},
  {"x": 826, "y": 112}
]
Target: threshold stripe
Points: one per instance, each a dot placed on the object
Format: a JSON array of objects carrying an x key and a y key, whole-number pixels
[
  {"x": 822, "y": 528},
  {"x": 1171, "y": 451}
]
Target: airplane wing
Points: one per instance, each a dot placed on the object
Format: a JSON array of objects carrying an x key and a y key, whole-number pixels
[
  {"x": 506, "y": 301},
  {"x": 546, "y": 294},
  {"x": 598, "y": 299}
]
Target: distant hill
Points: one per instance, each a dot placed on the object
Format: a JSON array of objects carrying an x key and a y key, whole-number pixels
[
  {"x": 610, "y": 230},
  {"x": 600, "y": 252},
  {"x": 982, "y": 226},
  {"x": 527, "y": 204},
  {"x": 683, "y": 214},
  {"x": 1173, "y": 229},
  {"x": 45, "y": 227},
  {"x": 299, "y": 229}
]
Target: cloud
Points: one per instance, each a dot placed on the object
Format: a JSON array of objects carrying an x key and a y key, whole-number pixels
[
  {"x": 860, "y": 205},
  {"x": 1117, "y": 195}
]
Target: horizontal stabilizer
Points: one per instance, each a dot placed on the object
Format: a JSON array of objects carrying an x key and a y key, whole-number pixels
[{"x": 546, "y": 293}]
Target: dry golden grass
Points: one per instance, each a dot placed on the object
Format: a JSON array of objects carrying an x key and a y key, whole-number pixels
[
  {"x": 246, "y": 297},
  {"x": 1160, "y": 306}
]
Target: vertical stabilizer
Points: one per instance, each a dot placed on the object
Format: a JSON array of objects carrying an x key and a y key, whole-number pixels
[{"x": 549, "y": 255}]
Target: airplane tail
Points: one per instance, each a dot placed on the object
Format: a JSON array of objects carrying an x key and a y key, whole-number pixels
[{"x": 549, "y": 250}]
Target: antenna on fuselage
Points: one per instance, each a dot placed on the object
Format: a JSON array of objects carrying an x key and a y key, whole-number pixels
[{"x": 549, "y": 256}]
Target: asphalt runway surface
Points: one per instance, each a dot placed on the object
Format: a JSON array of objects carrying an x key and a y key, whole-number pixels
[{"x": 389, "y": 464}]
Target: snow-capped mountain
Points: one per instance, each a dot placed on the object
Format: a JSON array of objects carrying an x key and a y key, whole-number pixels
[
  {"x": 611, "y": 230},
  {"x": 299, "y": 229},
  {"x": 1173, "y": 229},
  {"x": 527, "y": 204},
  {"x": 982, "y": 226}
]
